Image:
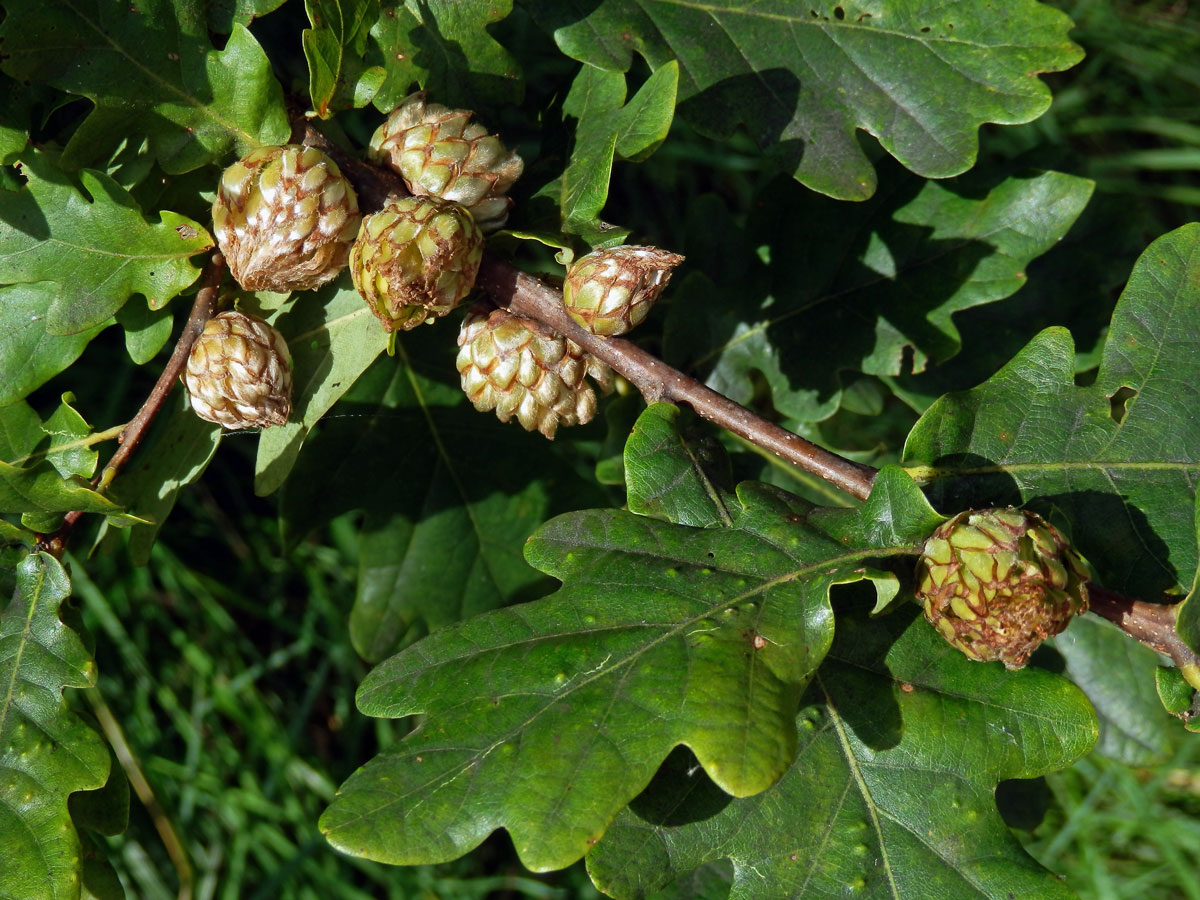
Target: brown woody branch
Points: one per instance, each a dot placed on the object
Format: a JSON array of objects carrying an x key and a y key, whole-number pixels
[
  {"x": 1151, "y": 623},
  {"x": 527, "y": 296},
  {"x": 135, "y": 431}
]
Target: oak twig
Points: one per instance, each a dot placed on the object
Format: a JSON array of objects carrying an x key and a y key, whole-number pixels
[
  {"x": 527, "y": 296},
  {"x": 133, "y": 433}
]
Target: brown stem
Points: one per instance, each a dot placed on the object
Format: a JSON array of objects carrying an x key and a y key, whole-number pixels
[
  {"x": 131, "y": 436},
  {"x": 1151, "y": 623},
  {"x": 527, "y": 296}
]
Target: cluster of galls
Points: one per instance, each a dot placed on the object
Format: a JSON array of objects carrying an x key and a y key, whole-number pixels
[
  {"x": 286, "y": 219},
  {"x": 997, "y": 582}
]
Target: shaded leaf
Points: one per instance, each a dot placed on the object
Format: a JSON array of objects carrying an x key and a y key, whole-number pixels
[
  {"x": 150, "y": 71},
  {"x": 146, "y": 330},
  {"x": 1117, "y": 674},
  {"x": 338, "y": 78},
  {"x": 886, "y": 280},
  {"x": 14, "y": 120},
  {"x": 93, "y": 242},
  {"x": 1188, "y": 620},
  {"x": 672, "y": 478},
  {"x": 46, "y": 751},
  {"x": 394, "y": 41},
  {"x": 445, "y": 528},
  {"x": 29, "y": 355},
  {"x": 1115, "y": 462},
  {"x": 445, "y": 46},
  {"x": 176, "y": 452},
  {"x": 548, "y": 717},
  {"x": 607, "y": 128},
  {"x": 802, "y": 78},
  {"x": 68, "y": 451},
  {"x": 224, "y": 14},
  {"x": 902, "y": 742},
  {"x": 333, "y": 338}
]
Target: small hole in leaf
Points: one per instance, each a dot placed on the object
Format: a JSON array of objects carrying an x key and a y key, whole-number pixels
[
  {"x": 925, "y": 30},
  {"x": 839, "y": 13},
  {"x": 1117, "y": 402}
]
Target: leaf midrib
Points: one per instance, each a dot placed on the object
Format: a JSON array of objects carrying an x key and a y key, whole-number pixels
[
  {"x": 448, "y": 776},
  {"x": 22, "y": 644},
  {"x": 165, "y": 85}
]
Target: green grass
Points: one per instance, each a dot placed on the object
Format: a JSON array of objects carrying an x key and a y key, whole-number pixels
[{"x": 1118, "y": 832}]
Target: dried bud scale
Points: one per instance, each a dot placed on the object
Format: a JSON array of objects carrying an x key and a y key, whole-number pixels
[
  {"x": 416, "y": 260},
  {"x": 609, "y": 292},
  {"x": 285, "y": 217},
  {"x": 521, "y": 368},
  {"x": 996, "y": 583},
  {"x": 439, "y": 152},
  {"x": 239, "y": 373}
]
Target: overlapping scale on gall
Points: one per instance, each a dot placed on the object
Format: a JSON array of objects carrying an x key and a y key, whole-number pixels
[
  {"x": 611, "y": 291},
  {"x": 998, "y": 582},
  {"x": 239, "y": 373},
  {"x": 520, "y": 368},
  {"x": 284, "y": 217},
  {"x": 440, "y": 152}
]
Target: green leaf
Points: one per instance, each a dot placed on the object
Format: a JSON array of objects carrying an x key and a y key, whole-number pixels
[
  {"x": 333, "y": 338},
  {"x": 15, "y": 101},
  {"x": 29, "y": 355},
  {"x": 609, "y": 127},
  {"x": 887, "y": 280},
  {"x": 338, "y": 78},
  {"x": 393, "y": 40},
  {"x": 673, "y": 478},
  {"x": 146, "y": 330},
  {"x": 548, "y": 717},
  {"x": 1115, "y": 462},
  {"x": 28, "y": 481},
  {"x": 445, "y": 46},
  {"x": 92, "y": 241},
  {"x": 150, "y": 71},
  {"x": 902, "y": 742},
  {"x": 46, "y": 751},
  {"x": 175, "y": 454},
  {"x": 440, "y": 542},
  {"x": 69, "y": 450},
  {"x": 802, "y": 78}
]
